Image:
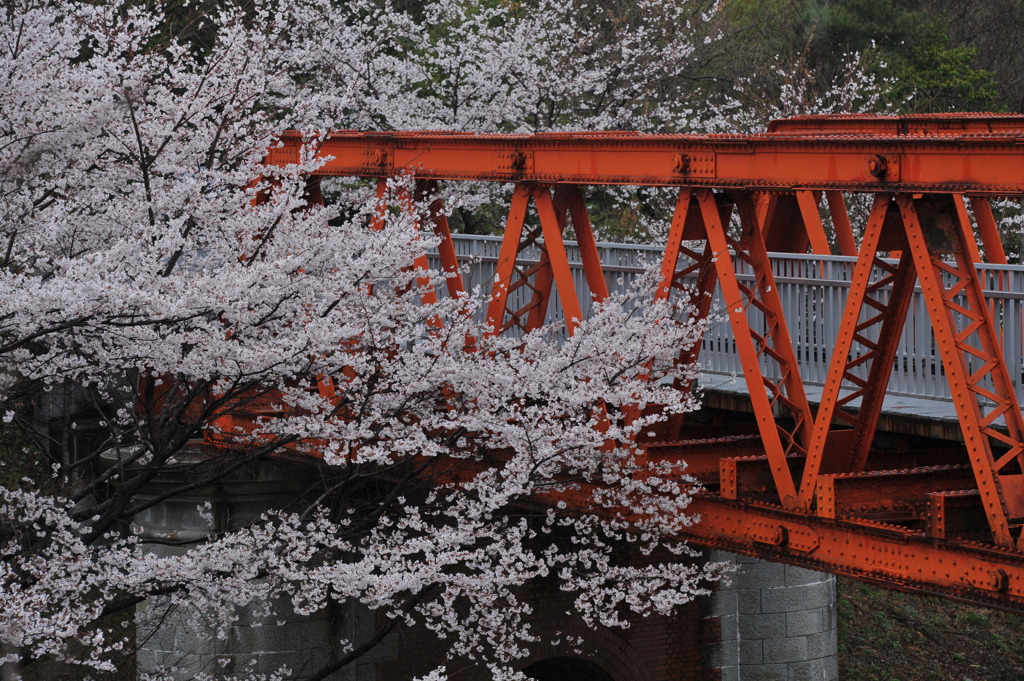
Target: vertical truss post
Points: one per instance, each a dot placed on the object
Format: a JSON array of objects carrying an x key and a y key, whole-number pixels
[
  {"x": 674, "y": 246},
  {"x": 445, "y": 247},
  {"x": 324, "y": 383},
  {"x": 687, "y": 225},
  {"x": 791, "y": 222},
  {"x": 407, "y": 204},
  {"x": 841, "y": 223},
  {"x": 543, "y": 278},
  {"x": 885, "y": 314},
  {"x": 552, "y": 223},
  {"x": 314, "y": 196},
  {"x": 510, "y": 247},
  {"x": 988, "y": 230},
  {"x": 808, "y": 202},
  {"x": 552, "y": 266},
  {"x": 975, "y": 368},
  {"x": 779, "y": 216},
  {"x": 571, "y": 196},
  {"x": 380, "y": 208},
  {"x": 970, "y": 243},
  {"x": 779, "y": 442}
]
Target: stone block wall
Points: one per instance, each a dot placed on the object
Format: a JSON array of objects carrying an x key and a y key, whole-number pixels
[
  {"x": 265, "y": 637},
  {"x": 777, "y": 623}
]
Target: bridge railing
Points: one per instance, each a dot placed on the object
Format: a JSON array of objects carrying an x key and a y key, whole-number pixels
[{"x": 813, "y": 292}]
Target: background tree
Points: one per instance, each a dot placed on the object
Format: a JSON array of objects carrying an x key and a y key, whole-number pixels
[
  {"x": 909, "y": 45},
  {"x": 536, "y": 66},
  {"x": 991, "y": 29}
]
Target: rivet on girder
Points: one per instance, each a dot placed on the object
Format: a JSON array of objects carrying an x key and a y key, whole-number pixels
[
  {"x": 796, "y": 503},
  {"x": 773, "y": 535},
  {"x": 996, "y": 580},
  {"x": 878, "y": 166}
]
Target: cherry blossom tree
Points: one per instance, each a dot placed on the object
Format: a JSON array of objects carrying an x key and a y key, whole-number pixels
[
  {"x": 157, "y": 275},
  {"x": 161, "y": 285},
  {"x": 563, "y": 65},
  {"x": 538, "y": 66}
]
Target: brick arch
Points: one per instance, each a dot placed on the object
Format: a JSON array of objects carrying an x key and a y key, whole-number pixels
[{"x": 604, "y": 647}]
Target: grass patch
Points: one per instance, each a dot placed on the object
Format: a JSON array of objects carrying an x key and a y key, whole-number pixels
[{"x": 891, "y": 636}]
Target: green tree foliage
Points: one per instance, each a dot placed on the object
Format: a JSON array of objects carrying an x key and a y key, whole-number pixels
[
  {"x": 909, "y": 42},
  {"x": 995, "y": 28},
  {"x": 932, "y": 73},
  {"x": 938, "y": 78}
]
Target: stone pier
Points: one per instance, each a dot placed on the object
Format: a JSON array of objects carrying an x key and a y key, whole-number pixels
[{"x": 778, "y": 623}]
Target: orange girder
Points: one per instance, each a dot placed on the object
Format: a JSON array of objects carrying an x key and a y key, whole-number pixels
[
  {"x": 973, "y": 164},
  {"x": 810, "y": 489}
]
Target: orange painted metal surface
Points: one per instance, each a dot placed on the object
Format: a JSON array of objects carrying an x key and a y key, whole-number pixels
[
  {"x": 983, "y": 164},
  {"x": 812, "y": 488},
  {"x": 940, "y": 124}
]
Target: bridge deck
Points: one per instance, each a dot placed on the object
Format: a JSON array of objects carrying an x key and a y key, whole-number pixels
[{"x": 904, "y": 414}]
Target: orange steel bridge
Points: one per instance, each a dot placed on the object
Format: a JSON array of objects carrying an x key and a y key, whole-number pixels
[{"x": 809, "y": 487}]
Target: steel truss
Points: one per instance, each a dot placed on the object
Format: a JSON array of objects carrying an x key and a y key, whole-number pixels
[{"x": 810, "y": 488}]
